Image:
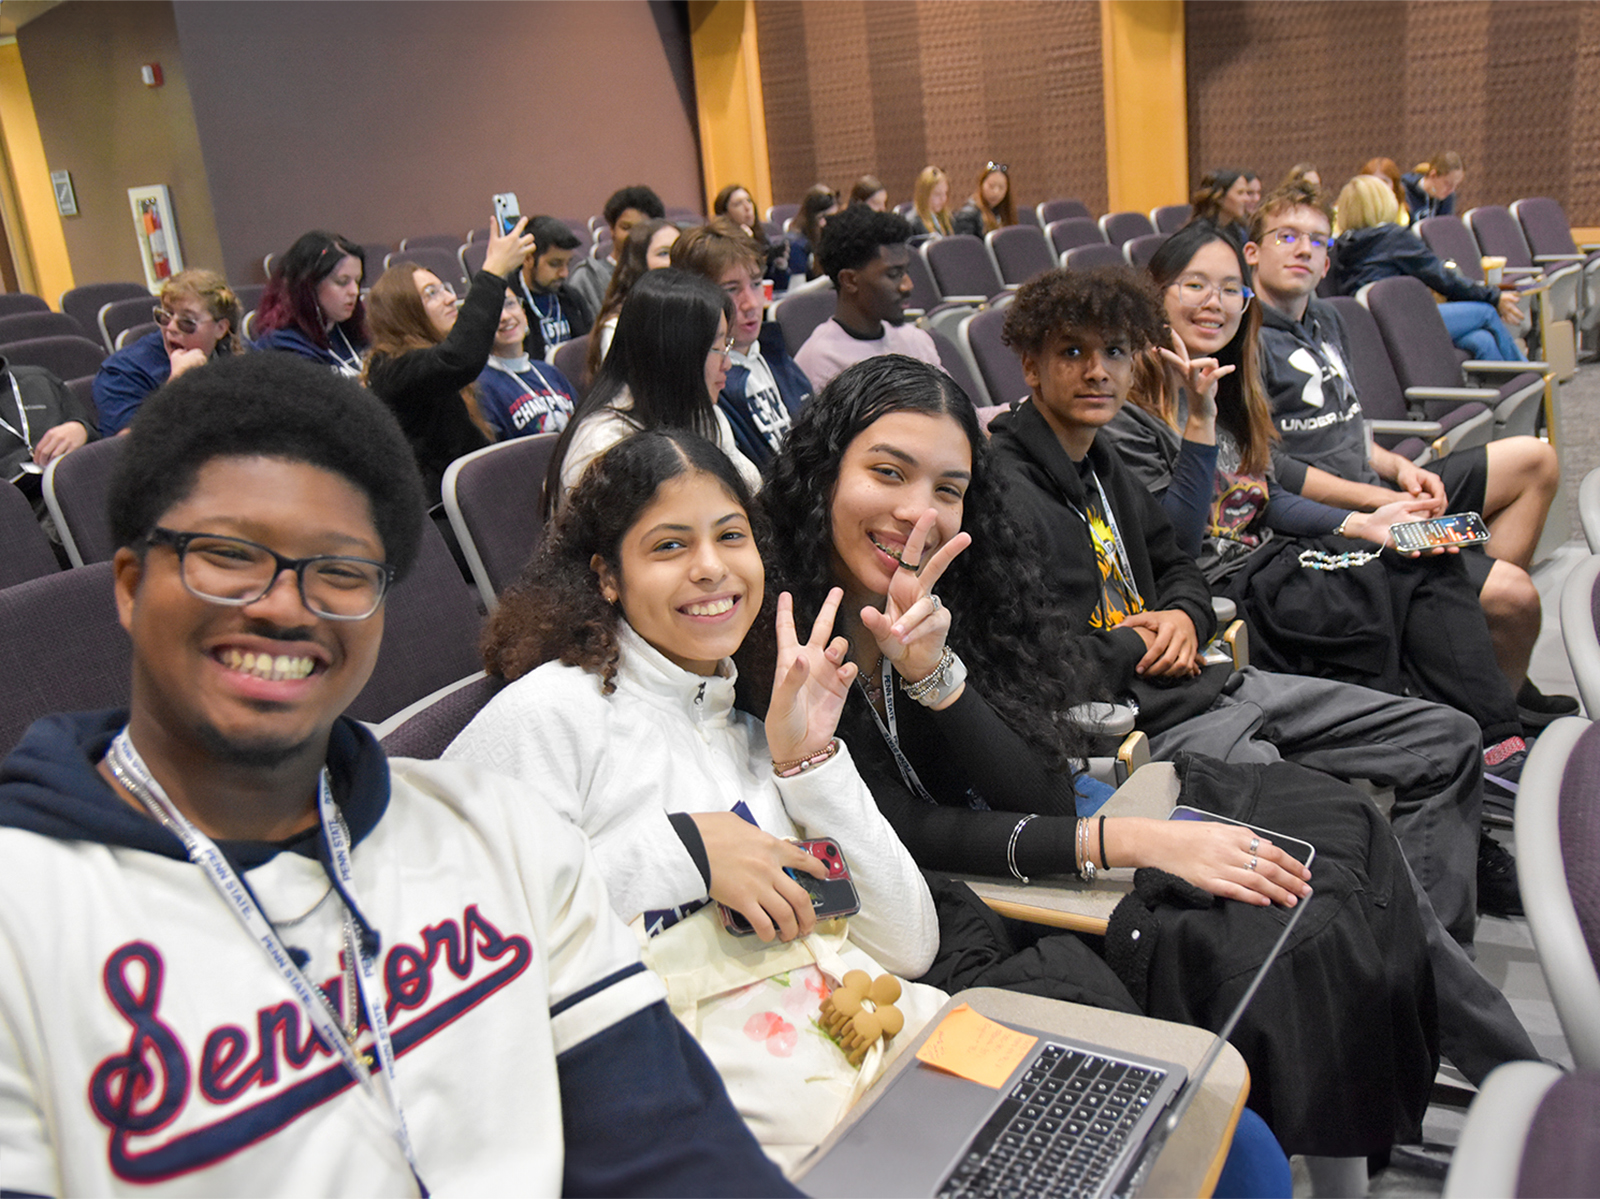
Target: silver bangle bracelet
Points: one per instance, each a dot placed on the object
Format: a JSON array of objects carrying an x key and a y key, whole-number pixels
[{"x": 1011, "y": 850}]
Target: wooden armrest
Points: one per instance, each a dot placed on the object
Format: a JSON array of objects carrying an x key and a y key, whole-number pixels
[
  {"x": 1133, "y": 754},
  {"x": 1238, "y": 640}
]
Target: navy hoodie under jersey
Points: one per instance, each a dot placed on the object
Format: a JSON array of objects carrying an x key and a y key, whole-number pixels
[{"x": 642, "y": 1107}]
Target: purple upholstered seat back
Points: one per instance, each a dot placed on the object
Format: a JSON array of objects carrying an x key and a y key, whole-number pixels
[
  {"x": 1562, "y": 1153},
  {"x": 1580, "y": 835}
]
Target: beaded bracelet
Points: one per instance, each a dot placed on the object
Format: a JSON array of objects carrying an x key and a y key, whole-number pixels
[
  {"x": 933, "y": 690},
  {"x": 788, "y": 770}
]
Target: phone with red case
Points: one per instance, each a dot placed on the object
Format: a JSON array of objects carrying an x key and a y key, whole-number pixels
[{"x": 832, "y": 895}]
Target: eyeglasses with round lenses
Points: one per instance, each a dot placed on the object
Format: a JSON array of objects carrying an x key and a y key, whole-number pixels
[
  {"x": 1292, "y": 237},
  {"x": 1195, "y": 290},
  {"x": 182, "y": 321},
  {"x": 434, "y": 290},
  {"x": 236, "y": 572}
]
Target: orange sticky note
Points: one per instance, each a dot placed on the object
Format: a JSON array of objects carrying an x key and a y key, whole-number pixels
[{"x": 975, "y": 1047}]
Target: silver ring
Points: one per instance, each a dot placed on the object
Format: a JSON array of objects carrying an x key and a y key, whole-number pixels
[
  {"x": 1255, "y": 844},
  {"x": 1253, "y": 861},
  {"x": 937, "y": 602}
]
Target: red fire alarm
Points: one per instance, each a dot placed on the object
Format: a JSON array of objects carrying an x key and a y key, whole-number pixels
[{"x": 151, "y": 74}]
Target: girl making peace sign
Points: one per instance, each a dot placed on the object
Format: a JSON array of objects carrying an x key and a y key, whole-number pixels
[{"x": 619, "y": 641}]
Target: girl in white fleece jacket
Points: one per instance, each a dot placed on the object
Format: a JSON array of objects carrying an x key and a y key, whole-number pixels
[{"x": 619, "y": 644}]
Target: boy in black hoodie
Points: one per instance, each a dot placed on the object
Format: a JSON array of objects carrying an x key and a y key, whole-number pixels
[{"x": 1108, "y": 551}]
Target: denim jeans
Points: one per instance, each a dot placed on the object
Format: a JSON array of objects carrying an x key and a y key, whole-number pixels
[{"x": 1478, "y": 329}]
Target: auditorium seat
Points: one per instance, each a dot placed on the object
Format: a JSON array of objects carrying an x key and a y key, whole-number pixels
[
  {"x": 77, "y": 490},
  {"x": 571, "y": 358},
  {"x": 1123, "y": 227},
  {"x": 1169, "y": 218},
  {"x": 1549, "y": 236},
  {"x": 1532, "y": 1131},
  {"x": 470, "y": 257},
  {"x": 14, "y": 302},
  {"x": 1059, "y": 210},
  {"x": 442, "y": 263},
  {"x": 64, "y": 357},
  {"x": 83, "y": 304},
  {"x": 1088, "y": 258},
  {"x": 118, "y": 315},
  {"x": 997, "y": 362},
  {"x": 1430, "y": 369},
  {"x": 430, "y": 634},
  {"x": 26, "y": 326},
  {"x": 430, "y": 241},
  {"x": 67, "y": 651},
  {"x": 960, "y": 368},
  {"x": 25, "y": 551},
  {"x": 1558, "y": 854},
  {"x": 1140, "y": 250},
  {"x": 925, "y": 295},
  {"x": 133, "y": 333},
  {"x": 1395, "y": 424},
  {"x": 492, "y": 497},
  {"x": 1021, "y": 252},
  {"x": 1071, "y": 232},
  {"x": 800, "y": 312},
  {"x": 964, "y": 269}
]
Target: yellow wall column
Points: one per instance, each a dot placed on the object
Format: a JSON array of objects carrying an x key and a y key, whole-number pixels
[
  {"x": 43, "y": 266},
  {"x": 1146, "y": 102},
  {"x": 727, "y": 85}
]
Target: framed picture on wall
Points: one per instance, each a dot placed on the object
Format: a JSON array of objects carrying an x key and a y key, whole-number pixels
[{"x": 157, "y": 232}]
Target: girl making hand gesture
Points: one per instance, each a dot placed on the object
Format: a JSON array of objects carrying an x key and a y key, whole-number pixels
[{"x": 618, "y": 642}]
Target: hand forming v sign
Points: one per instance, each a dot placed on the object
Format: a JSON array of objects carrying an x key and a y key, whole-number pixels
[
  {"x": 911, "y": 629},
  {"x": 1200, "y": 377},
  {"x": 810, "y": 683}
]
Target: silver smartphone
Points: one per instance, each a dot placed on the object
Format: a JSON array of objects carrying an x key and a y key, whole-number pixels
[{"x": 507, "y": 212}]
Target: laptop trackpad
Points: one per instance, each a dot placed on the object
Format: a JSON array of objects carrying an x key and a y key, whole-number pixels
[{"x": 923, "y": 1107}]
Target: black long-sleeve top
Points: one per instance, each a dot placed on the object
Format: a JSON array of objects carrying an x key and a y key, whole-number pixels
[{"x": 423, "y": 387}]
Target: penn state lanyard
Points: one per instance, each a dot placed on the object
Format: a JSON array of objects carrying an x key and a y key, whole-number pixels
[
  {"x": 499, "y": 365},
  {"x": 131, "y": 772},
  {"x": 26, "y": 435},
  {"x": 1120, "y": 554},
  {"x": 891, "y": 731}
]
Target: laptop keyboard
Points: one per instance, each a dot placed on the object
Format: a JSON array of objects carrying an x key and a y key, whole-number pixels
[{"x": 1060, "y": 1130}]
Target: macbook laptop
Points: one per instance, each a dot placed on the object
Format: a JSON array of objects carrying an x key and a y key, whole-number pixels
[{"x": 1072, "y": 1119}]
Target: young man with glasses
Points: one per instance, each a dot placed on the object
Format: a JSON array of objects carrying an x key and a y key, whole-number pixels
[
  {"x": 246, "y": 953},
  {"x": 1510, "y": 482},
  {"x": 556, "y": 313},
  {"x": 1143, "y": 609},
  {"x": 764, "y": 389}
]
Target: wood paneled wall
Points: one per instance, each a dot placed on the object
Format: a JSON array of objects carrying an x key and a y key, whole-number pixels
[
  {"x": 888, "y": 86},
  {"x": 1514, "y": 87}
]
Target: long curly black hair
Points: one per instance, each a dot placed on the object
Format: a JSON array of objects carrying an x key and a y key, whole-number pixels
[
  {"x": 1013, "y": 638},
  {"x": 556, "y": 611}
]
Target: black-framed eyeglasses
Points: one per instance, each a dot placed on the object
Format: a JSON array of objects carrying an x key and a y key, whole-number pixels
[
  {"x": 236, "y": 572},
  {"x": 184, "y": 323}
]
